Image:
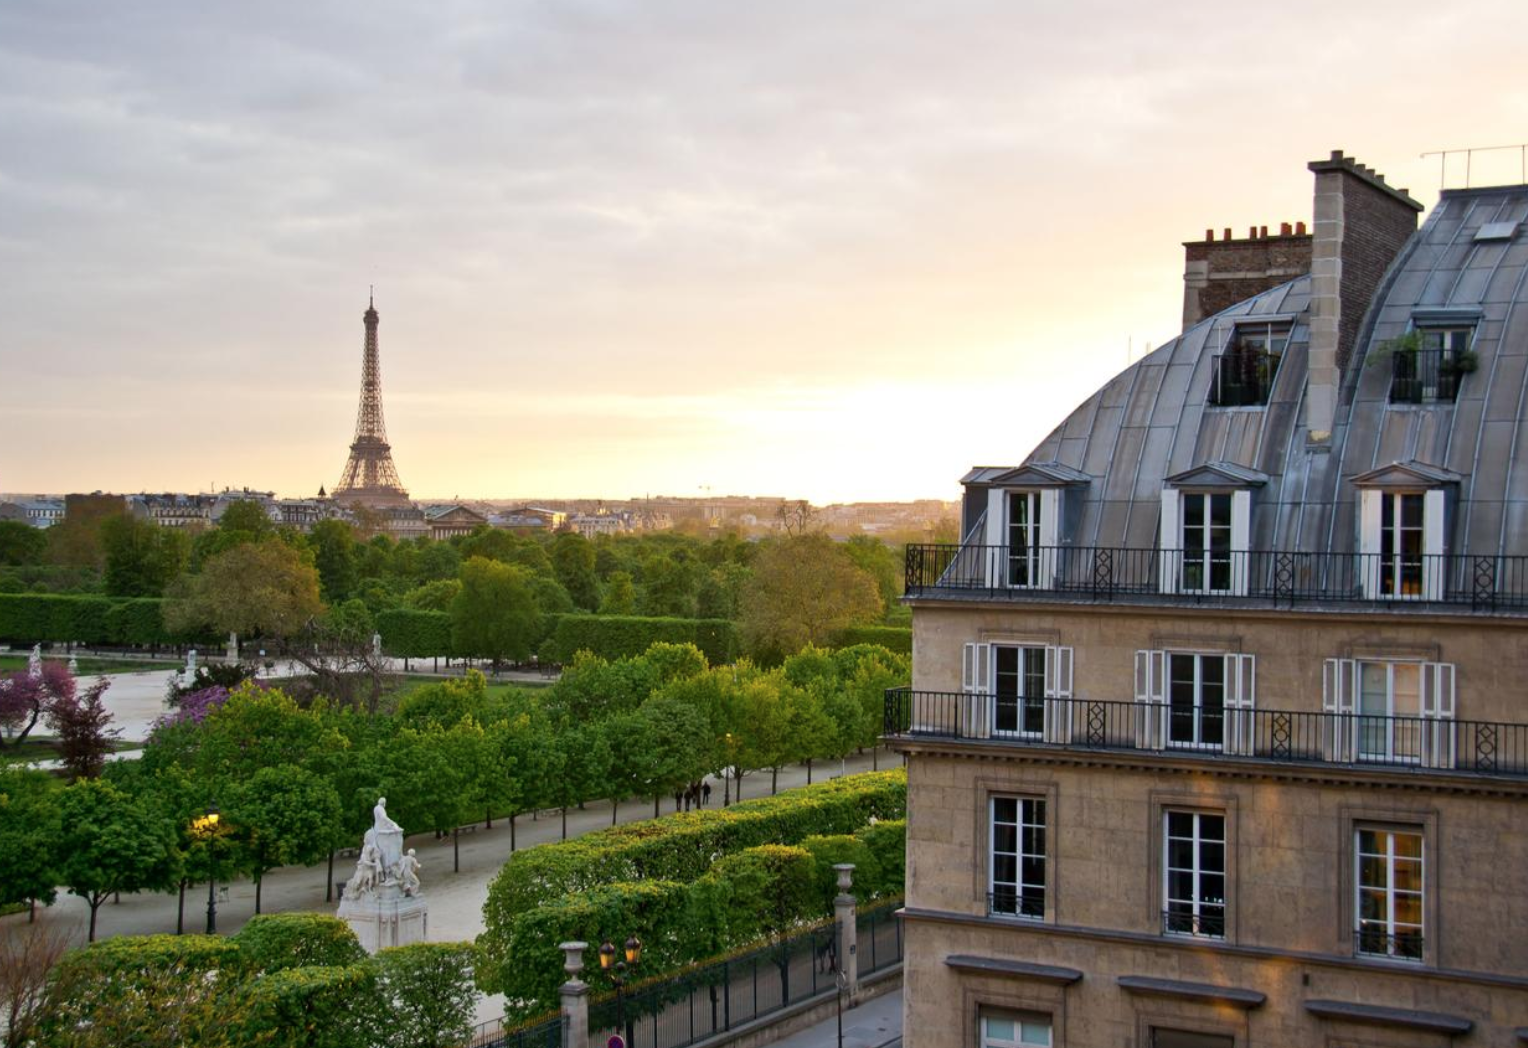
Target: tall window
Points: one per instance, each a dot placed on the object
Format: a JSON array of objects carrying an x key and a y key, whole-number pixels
[
  {"x": 1389, "y": 711},
  {"x": 1023, "y": 538},
  {"x": 1389, "y": 881},
  {"x": 1194, "y": 881},
  {"x": 1400, "y": 544},
  {"x": 1430, "y": 368},
  {"x": 1207, "y": 542},
  {"x": 1196, "y": 697},
  {"x": 1005, "y": 1029},
  {"x": 1018, "y": 857},
  {"x": 1244, "y": 372},
  {"x": 1019, "y": 686}
]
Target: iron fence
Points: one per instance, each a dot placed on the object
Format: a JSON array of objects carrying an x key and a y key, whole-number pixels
[
  {"x": 538, "y": 1033},
  {"x": 1376, "y": 942},
  {"x": 1290, "y": 736},
  {"x": 1425, "y": 376},
  {"x": 1210, "y": 575},
  {"x": 722, "y": 995}
]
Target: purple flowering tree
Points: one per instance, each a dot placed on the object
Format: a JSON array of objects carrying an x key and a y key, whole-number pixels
[{"x": 26, "y": 698}]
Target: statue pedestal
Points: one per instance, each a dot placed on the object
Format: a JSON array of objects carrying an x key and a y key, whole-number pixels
[{"x": 386, "y": 917}]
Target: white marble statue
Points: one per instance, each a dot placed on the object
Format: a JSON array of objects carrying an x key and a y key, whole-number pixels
[
  {"x": 408, "y": 873},
  {"x": 380, "y": 821},
  {"x": 191, "y": 665},
  {"x": 34, "y": 662},
  {"x": 368, "y": 869}
]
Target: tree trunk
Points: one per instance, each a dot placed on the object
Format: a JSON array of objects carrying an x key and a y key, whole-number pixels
[
  {"x": 565, "y": 822},
  {"x": 180, "y": 910},
  {"x": 809, "y": 771},
  {"x": 615, "y": 809},
  {"x": 259, "y": 882},
  {"x": 511, "y": 833},
  {"x": 456, "y": 850},
  {"x": 656, "y": 798},
  {"x": 488, "y": 818},
  {"x": 329, "y": 885},
  {"x": 774, "y": 780},
  {"x": 94, "y": 906},
  {"x": 875, "y": 758}
]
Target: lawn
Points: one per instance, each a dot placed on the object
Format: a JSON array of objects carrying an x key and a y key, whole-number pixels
[
  {"x": 409, "y": 683},
  {"x": 92, "y": 664}
]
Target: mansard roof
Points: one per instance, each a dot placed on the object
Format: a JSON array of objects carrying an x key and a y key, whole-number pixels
[
  {"x": 1152, "y": 425},
  {"x": 1217, "y": 475}
]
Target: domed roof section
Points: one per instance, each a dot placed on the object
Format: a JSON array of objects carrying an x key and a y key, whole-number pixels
[{"x": 1155, "y": 425}]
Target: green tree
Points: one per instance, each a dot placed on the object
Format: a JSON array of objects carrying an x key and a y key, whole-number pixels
[
  {"x": 282, "y": 816},
  {"x": 803, "y": 590},
  {"x": 333, "y": 544},
  {"x": 30, "y": 827},
  {"x": 573, "y": 563},
  {"x": 677, "y": 744},
  {"x": 668, "y": 588},
  {"x": 142, "y": 558},
  {"x": 265, "y": 588},
  {"x": 620, "y": 595},
  {"x": 21, "y": 544},
  {"x": 881, "y": 563},
  {"x": 495, "y": 616},
  {"x": 576, "y": 766},
  {"x": 428, "y": 992},
  {"x": 438, "y": 561},
  {"x": 436, "y": 595},
  {"x": 110, "y": 842}
]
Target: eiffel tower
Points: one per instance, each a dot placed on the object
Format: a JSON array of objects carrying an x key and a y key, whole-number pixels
[{"x": 370, "y": 477}]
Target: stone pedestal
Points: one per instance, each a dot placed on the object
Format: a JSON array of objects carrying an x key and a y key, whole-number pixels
[{"x": 386, "y": 917}]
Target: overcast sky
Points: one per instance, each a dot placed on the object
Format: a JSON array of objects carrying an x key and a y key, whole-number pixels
[{"x": 829, "y": 249}]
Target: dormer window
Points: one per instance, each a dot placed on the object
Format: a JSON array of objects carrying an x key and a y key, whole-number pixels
[
  {"x": 1021, "y": 538},
  {"x": 1206, "y": 529},
  {"x": 1402, "y": 525},
  {"x": 1429, "y": 362},
  {"x": 1245, "y": 370}
]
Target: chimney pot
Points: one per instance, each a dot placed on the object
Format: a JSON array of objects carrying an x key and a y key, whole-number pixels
[
  {"x": 1262, "y": 232},
  {"x": 1299, "y": 229},
  {"x": 1285, "y": 229},
  {"x": 1228, "y": 233},
  {"x": 1252, "y": 232},
  {"x": 1336, "y": 154},
  {"x": 1209, "y": 235}
]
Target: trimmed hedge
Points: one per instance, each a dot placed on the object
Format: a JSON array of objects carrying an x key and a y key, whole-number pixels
[
  {"x": 306, "y": 1007},
  {"x": 626, "y": 636},
  {"x": 682, "y": 846},
  {"x": 656, "y": 878},
  {"x": 411, "y": 634},
  {"x": 274, "y": 941},
  {"x": 30, "y": 618},
  {"x": 895, "y": 638}
]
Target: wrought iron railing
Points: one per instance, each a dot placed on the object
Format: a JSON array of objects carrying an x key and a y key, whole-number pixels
[
  {"x": 1288, "y": 736},
  {"x": 1207, "y": 576},
  {"x": 1426, "y": 375},
  {"x": 1376, "y": 942},
  {"x": 1010, "y": 902},
  {"x": 1242, "y": 378},
  {"x": 1202, "y": 925},
  {"x": 709, "y": 1000},
  {"x": 538, "y": 1033}
]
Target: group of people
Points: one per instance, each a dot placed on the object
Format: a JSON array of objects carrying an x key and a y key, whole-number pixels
[{"x": 695, "y": 795}]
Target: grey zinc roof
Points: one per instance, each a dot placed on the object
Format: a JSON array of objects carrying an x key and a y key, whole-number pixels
[{"x": 1151, "y": 422}]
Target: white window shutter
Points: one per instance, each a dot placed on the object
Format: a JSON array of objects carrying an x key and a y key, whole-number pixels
[
  {"x": 1432, "y": 545},
  {"x": 1241, "y": 672},
  {"x": 1339, "y": 735},
  {"x": 1370, "y": 501},
  {"x": 968, "y": 668},
  {"x": 1058, "y": 690},
  {"x": 1241, "y": 539},
  {"x": 1438, "y": 732},
  {"x": 1149, "y": 709},
  {"x": 994, "y": 556},
  {"x": 1046, "y": 569},
  {"x": 1171, "y": 541}
]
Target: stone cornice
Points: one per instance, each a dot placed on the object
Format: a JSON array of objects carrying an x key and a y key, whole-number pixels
[{"x": 1212, "y": 948}]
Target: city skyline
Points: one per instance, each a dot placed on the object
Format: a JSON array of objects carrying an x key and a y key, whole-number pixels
[{"x": 820, "y": 254}]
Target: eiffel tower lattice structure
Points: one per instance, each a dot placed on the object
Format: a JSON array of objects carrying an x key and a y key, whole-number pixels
[{"x": 370, "y": 477}]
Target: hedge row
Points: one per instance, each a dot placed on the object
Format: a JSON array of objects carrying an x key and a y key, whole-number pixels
[
  {"x": 31, "y": 618},
  {"x": 410, "y": 634},
  {"x": 285, "y": 979},
  {"x": 743, "y": 899},
  {"x": 627, "y": 636},
  {"x": 895, "y": 638},
  {"x": 682, "y": 847}
]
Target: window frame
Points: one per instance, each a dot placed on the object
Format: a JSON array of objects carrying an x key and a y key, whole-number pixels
[
  {"x": 1196, "y": 709},
  {"x": 1241, "y": 343},
  {"x": 1172, "y": 541},
  {"x": 1396, "y": 815},
  {"x": 1381, "y": 565},
  {"x": 1390, "y": 831},
  {"x": 1197, "y": 919},
  {"x": 1019, "y": 1017},
  {"x": 1031, "y": 668},
  {"x": 1021, "y": 822},
  {"x": 1430, "y": 380}
]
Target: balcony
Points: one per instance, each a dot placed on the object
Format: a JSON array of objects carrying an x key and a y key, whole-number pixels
[
  {"x": 1243, "y": 378},
  {"x": 1266, "y": 577},
  {"x": 1204, "y": 733},
  {"x": 1428, "y": 376}
]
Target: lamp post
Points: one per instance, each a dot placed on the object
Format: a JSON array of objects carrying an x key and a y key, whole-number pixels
[
  {"x": 727, "y": 774},
  {"x": 208, "y": 825},
  {"x": 617, "y": 970}
]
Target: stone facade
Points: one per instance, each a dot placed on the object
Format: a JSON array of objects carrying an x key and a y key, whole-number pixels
[{"x": 1217, "y": 274}]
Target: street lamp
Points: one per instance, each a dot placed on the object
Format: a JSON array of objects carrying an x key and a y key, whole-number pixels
[
  {"x": 617, "y": 971},
  {"x": 207, "y": 825},
  {"x": 727, "y": 775}
]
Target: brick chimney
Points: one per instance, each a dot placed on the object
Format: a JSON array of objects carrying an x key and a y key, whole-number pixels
[
  {"x": 1360, "y": 224},
  {"x": 1220, "y": 273}
]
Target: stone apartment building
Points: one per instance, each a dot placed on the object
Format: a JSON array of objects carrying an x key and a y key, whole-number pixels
[{"x": 1218, "y": 731}]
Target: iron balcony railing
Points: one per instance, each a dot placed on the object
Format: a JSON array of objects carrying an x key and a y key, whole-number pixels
[
  {"x": 1375, "y": 941},
  {"x": 1288, "y": 736},
  {"x": 1243, "y": 378},
  {"x": 1011, "y": 902},
  {"x": 1210, "y": 575},
  {"x": 1209, "y": 923},
  {"x": 1426, "y": 376}
]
